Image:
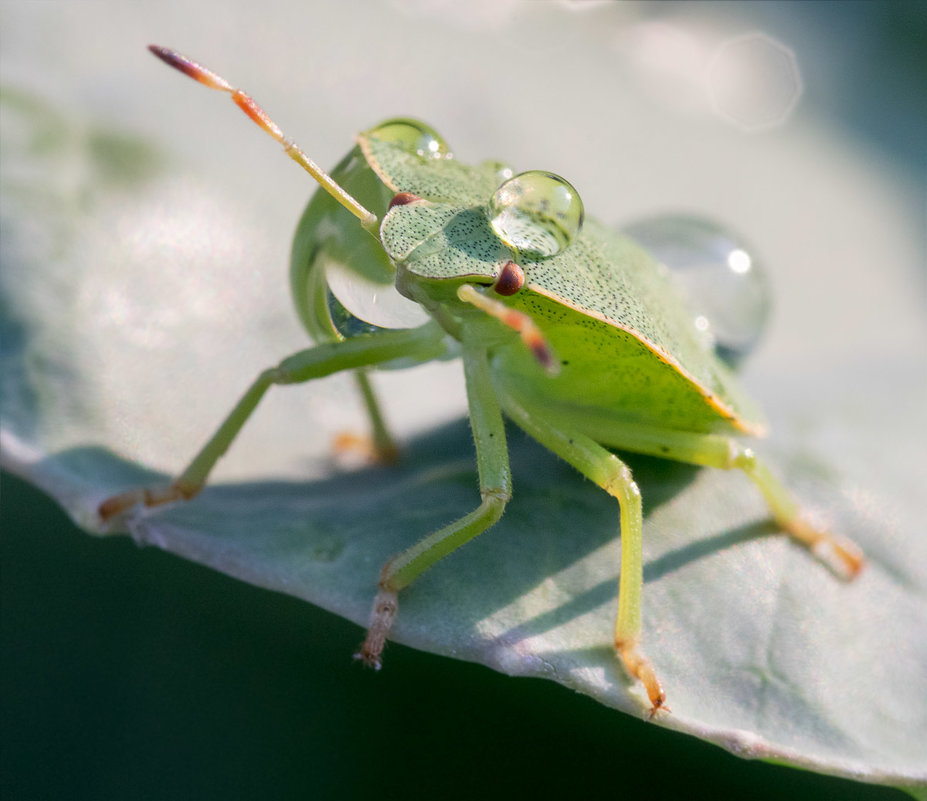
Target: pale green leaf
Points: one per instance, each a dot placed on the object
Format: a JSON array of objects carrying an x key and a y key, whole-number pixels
[{"x": 141, "y": 292}]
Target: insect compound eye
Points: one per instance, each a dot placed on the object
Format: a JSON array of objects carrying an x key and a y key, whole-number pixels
[
  {"x": 719, "y": 276},
  {"x": 403, "y": 199},
  {"x": 414, "y": 136},
  {"x": 536, "y": 213},
  {"x": 511, "y": 278}
]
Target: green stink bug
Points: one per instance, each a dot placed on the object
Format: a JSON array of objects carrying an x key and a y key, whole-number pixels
[{"x": 564, "y": 326}]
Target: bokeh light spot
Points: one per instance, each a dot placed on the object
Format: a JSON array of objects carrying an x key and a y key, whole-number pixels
[{"x": 754, "y": 82}]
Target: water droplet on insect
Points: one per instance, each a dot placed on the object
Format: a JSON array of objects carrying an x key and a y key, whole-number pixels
[
  {"x": 359, "y": 305},
  {"x": 346, "y": 323},
  {"x": 718, "y": 274},
  {"x": 415, "y": 136},
  {"x": 537, "y": 213},
  {"x": 503, "y": 170}
]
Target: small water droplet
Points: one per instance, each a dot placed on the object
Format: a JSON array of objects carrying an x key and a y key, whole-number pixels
[
  {"x": 537, "y": 213},
  {"x": 503, "y": 170},
  {"x": 415, "y": 136},
  {"x": 720, "y": 277}
]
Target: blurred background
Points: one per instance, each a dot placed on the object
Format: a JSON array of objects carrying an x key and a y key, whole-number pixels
[{"x": 130, "y": 673}]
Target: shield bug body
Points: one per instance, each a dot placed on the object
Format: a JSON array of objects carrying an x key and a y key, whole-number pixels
[{"x": 566, "y": 327}]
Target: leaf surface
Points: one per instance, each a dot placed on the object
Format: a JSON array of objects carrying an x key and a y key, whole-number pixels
[{"x": 133, "y": 315}]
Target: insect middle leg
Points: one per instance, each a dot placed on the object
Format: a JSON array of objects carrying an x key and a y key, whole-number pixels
[
  {"x": 611, "y": 474},
  {"x": 419, "y": 343},
  {"x": 379, "y": 445},
  {"x": 495, "y": 490}
]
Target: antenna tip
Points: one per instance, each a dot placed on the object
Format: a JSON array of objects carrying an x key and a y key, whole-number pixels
[{"x": 190, "y": 68}]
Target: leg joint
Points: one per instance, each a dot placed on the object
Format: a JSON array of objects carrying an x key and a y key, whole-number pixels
[
  {"x": 743, "y": 458},
  {"x": 620, "y": 483},
  {"x": 496, "y": 496},
  {"x": 494, "y": 501},
  {"x": 276, "y": 375}
]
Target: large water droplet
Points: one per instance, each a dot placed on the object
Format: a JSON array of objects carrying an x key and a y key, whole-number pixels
[
  {"x": 415, "y": 136},
  {"x": 346, "y": 324},
  {"x": 368, "y": 302},
  {"x": 723, "y": 284},
  {"x": 537, "y": 213}
]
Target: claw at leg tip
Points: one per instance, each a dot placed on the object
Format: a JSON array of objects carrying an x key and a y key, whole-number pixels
[
  {"x": 117, "y": 504},
  {"x": 658, "y": 706},
  {"x": 368, "y": 659},
  {"x": 843, "y": 557}
]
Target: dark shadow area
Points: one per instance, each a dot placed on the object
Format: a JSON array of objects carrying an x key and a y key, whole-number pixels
[
  {"x": 605, "y": 591},
  {"x": 555, "y": 519},
  {"x": 673, "y": 561}
]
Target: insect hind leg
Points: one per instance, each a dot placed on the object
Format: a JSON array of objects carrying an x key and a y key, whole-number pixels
[{"x": 727, "y": 453}]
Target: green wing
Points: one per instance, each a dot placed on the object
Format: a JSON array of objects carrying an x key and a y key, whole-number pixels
[{"x": 605, "y": 281}]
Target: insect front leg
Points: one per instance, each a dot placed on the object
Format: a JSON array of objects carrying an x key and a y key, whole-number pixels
[
  {"x": 612, "y": 475},
  {"x": 495, "y": 490},
  {"x": 419, "y": 343}
]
